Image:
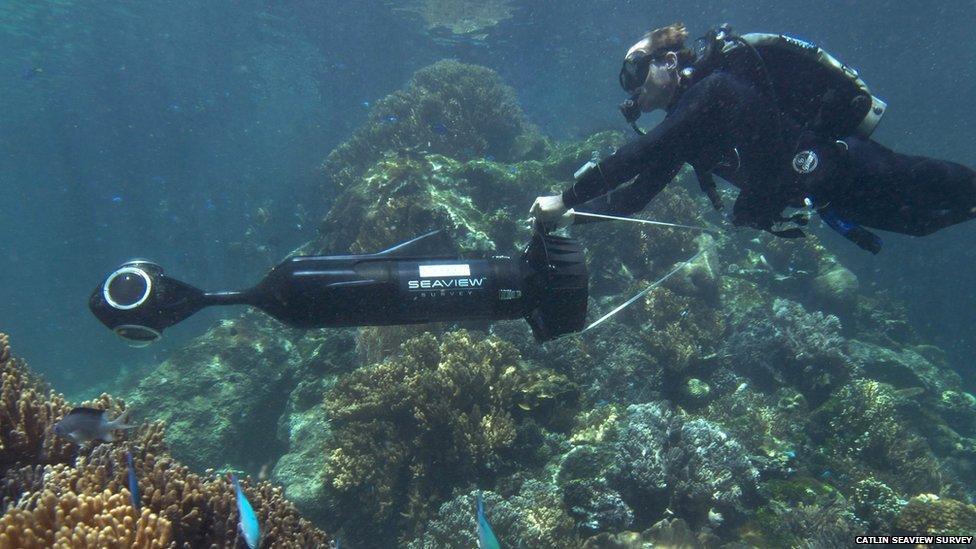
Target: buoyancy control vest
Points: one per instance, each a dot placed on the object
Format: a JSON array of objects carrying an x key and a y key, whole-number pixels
[
  {"x": 809, "y": 85},
  {"x": 826, "y": 98}
]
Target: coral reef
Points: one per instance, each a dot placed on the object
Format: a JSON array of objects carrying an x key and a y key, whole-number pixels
[
  {"x": 84, "y": 520},
  {"x": 531, "y": 518},
  {"x": 933, "y": 515},
  {"x": 409, "y": 430},
  {"x": 450, "y": 108},
  {"x": 763, "y": 395},
  {"x": 463, "y": 17},
  {"x": 827, "y": 525},
  {"x": 227, "y": 384},
  {"x": 785, "y": 344},
  {"x": 663, "y": 460},
  {"x": 27, "y": 408},
  {"x": 673, "y": 533},
  {"x": 865, "y": 434},
  {"x": 80, "y": 498},
  {"x": 876, "y": 503}
]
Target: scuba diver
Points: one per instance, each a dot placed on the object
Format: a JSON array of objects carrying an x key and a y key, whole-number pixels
[{"x": 777, "y": 117}]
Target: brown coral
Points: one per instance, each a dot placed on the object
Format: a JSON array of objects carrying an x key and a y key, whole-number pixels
[
  {"x": 71, "y": 520},
  {"x": 27, "y": 410},
  {"x": 443, "y": 412},
  {"x": 933, "y": 515},
  {"x": 52, "y": 499}
]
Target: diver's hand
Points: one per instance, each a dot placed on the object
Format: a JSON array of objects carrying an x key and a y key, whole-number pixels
[{"x": 549, "y": 211}]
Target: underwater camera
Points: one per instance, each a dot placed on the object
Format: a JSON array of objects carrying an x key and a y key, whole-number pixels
[{"x": 546, "y": 284}]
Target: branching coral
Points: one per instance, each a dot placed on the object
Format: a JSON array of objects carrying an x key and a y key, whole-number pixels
[
  {"x": 409, "y": 430},
  {"x": 876, "y": 504},
  {"x": 69, "y": 520},
  {"x": 681, "y": 329},
  {"x": 88, "y": 505},
  {"x": 79, "y": 497},
  {"x": 27, "y": 411},
  {"x": 816, "y": 526}
]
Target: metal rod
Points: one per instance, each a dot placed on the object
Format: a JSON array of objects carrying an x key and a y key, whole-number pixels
[
  {"x": 647, "y": 222},
  {"x": 642, "y": 293}
]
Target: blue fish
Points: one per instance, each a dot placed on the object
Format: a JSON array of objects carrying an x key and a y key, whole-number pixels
[
  {"x": 439, "y": 128},
  {"x": 30, "y": 72},
  {"x": 133, "y": 483},
  {"x": 248, "y": 521},
  {"x": 392, "y": 119},
  {"x": 486, "y": 538}
]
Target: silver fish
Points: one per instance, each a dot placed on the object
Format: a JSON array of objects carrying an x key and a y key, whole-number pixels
[{"x": 84, "y": 425}]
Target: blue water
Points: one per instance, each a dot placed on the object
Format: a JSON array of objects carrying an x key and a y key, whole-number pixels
[{"x": 191, "y": 132}]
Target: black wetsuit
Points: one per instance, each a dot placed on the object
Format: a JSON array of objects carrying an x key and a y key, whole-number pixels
[{"x": 724, "y": 123}]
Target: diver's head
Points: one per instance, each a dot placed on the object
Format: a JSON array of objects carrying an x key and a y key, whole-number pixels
[
  {"x": 137, "y": 301},
  {"x": 650, "y": 72}
]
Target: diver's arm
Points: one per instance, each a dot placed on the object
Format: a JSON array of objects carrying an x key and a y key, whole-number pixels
[
  {"x": 657, "y": 154},
  {"x": 628, "y": 200}
]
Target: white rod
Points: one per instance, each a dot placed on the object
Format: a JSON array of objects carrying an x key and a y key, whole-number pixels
[
  {"x": 646, "y": 221},
  {"x": 642, "y": 293}
]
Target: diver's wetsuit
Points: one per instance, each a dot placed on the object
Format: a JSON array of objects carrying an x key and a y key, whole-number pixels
[{"x": 726, "y": 124}]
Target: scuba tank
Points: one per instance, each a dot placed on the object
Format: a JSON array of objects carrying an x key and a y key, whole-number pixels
[{"x": 808, "y": 84}]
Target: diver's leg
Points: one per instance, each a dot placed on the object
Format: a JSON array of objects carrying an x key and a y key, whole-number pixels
[{"x": 914, "y": 195}]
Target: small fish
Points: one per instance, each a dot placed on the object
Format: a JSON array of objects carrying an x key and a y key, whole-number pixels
[
  {"x": 133, "y": 483},
  {"x": 486, "y": 538},
  {"x": 30, "y": 72},
  {"x": 248, "y": 521},
  {"x": 392, "y": 119},
  {"x": 439, "y": 128},
  {"x": 87, "y": 424}
]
